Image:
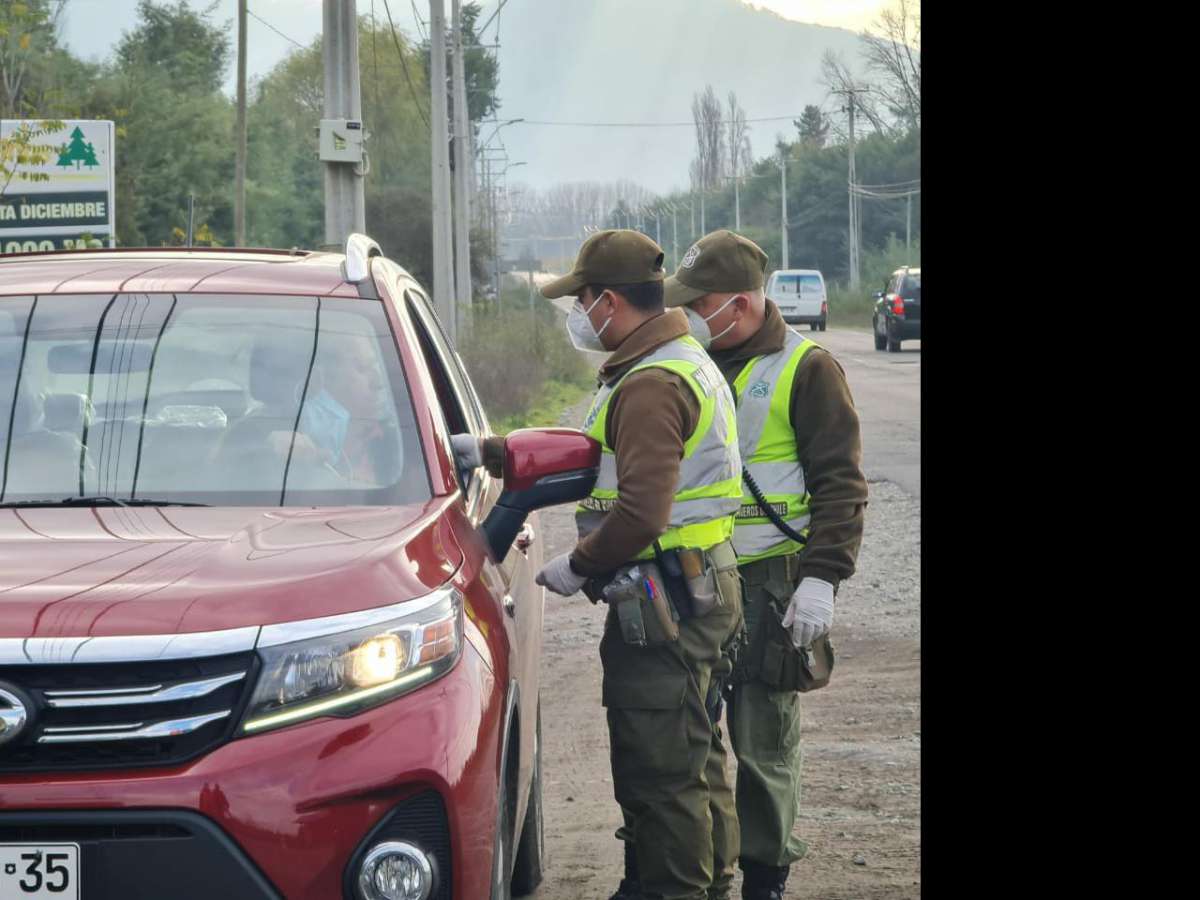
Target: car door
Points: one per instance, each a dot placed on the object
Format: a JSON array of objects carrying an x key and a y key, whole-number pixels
[{"x": 511, "y": 577}]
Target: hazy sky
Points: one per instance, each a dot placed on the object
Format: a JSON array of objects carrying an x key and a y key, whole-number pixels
[{"x": 92, "y": 27}]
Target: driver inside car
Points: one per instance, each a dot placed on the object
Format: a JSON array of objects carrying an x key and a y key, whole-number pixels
[{"x": 341, "y": 423}]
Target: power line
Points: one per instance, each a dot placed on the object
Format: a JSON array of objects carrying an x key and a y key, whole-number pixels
[
  {"x": 417, "y": 19},
  {"x": 404, "y": 63},
  {"x": 274, "y": 29},
  {"x": 649, "y": 124}
]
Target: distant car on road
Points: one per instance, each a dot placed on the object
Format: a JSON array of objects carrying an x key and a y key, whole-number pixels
[
  {"x": 800, "y": 296},
  {"x": 898, "y": 310}
]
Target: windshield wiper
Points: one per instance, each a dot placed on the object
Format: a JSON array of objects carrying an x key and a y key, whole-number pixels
[{"x": 98, "y": 501}]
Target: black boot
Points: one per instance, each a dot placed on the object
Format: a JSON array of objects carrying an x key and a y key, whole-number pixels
[
  {"x": 630, "y": 887},
  {"x": 761, "y": 882}
]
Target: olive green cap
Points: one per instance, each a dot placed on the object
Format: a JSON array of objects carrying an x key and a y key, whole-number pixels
[
  {"x": 721, "y": 262},
  {"x": 615, "y": 256}
]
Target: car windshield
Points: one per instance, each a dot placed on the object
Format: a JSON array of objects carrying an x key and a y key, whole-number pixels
[
  {"x": 235, "y": 400},
  {"x": 798, "y": 284},
  {"x": 911, "y": 288}
]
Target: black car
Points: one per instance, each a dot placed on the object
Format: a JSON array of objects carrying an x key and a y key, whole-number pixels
[{"x": 897, "y": 314}]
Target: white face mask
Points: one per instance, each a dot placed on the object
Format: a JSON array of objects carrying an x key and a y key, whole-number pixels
[
  {"x": 579, "y": 328},
  {"x": 699, "y": 324}
]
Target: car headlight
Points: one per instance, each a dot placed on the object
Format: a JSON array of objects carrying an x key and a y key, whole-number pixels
[{"x": 354, "y": 661}]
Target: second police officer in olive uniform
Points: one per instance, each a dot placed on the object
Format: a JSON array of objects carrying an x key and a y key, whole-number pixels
[
  {"x": 668, "y": 488},
  {"x": 800, "y": 442}
]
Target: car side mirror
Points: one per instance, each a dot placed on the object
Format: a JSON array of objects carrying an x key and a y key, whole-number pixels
[{"x": 542, "y": 467}]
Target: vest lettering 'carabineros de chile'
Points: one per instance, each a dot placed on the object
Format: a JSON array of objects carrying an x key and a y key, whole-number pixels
[
  {"x": 708, "y": 491},
  {"x": 768, "y": 445}
]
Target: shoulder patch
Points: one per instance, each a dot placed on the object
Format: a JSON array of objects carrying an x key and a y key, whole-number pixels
[{"x": 759, "y": 390}]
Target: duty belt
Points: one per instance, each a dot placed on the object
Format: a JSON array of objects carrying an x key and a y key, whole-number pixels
[{"x": 763, "y": 570}]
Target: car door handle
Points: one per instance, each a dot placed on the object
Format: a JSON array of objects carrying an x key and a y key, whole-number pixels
[
  {"x": 510, "y": 605},
  {"x": 525, "y": 537}
]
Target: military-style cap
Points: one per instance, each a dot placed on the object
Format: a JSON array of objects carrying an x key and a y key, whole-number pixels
[
  {"x": 721, "y": 262},
  {"x": 616, "y": 256}
]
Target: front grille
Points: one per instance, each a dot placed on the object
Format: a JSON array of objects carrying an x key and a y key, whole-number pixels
[
  {"x": 97, "y": 715},
  {"x": 420, "y": 820}
]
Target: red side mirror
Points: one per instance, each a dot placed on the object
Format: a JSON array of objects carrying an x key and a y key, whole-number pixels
[
  {"x": 542, "y": 467},
  {"x": 533, "y": 455}
]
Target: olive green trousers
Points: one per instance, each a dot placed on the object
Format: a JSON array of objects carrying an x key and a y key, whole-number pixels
[
  {"x": 764, "y": 728},
  {"x": 668, "y": 762}
]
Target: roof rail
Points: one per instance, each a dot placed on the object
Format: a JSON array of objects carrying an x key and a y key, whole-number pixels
[{"x": 359, "y": 250}]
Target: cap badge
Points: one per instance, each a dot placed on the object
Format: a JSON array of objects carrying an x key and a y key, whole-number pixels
[{"x": 689, "y": 258}]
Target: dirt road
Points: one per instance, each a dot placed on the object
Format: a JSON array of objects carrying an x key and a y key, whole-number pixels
[{"x": 861, "y": 785}]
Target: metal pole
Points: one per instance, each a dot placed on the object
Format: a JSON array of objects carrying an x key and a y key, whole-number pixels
[
  {"x": 908, "y": 228},
  {"x": 703, "y": 229},
  {"x": 783, "y": 234},
  {"x": 443, "y": 233},
  {"x": 462, "y": 169},
  {"x": 737, "y": 206},
  {"x": 345, "y": 203},
  {"x": 239, "y": 177},
  {"x": 191, "y": 217},
  {"x": 853, "y": 207},
  {"x": 674, "y": 238},
  {"x": 692, "y": 208},
  {"x": 657, "y": 228}
]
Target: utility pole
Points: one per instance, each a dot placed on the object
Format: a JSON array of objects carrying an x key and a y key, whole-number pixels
[
  {"x": 674, "y": 237},
  {"x": 443, "y": 232},
  {"x": 345, "y": 204},
  {"x": 783, "y": 235},
  {"x": 239, "y": 176},
  {"x": 855, "y": 206},
  {"x": 462, "y": 171},
  {"x": 737, "y": 205},
  {"x": 908, "y": 227}
]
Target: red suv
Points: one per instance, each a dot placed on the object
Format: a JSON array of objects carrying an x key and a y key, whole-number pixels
[{"x": 260, "y": 637}]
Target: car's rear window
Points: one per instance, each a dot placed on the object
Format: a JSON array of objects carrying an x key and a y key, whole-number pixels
[
  {"x": 798, "y": 284},
  {"x": 910, "y": 288},
  {"x": 232, "y": 400}
]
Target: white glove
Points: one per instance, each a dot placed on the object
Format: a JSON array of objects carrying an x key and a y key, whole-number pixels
[
  {"x": 810, "y": 614},
  {"x": 468, "y": 450},
  {"x": 560, "y": 577}
]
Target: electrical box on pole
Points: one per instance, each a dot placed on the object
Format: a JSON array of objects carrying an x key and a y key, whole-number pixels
[{"x": 341, "y": 140}]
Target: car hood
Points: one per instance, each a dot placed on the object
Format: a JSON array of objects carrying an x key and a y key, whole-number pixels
[{"x": 102, "y": 571}]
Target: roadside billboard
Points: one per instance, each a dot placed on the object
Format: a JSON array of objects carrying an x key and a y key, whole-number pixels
[{"x": 73, "y": 205}]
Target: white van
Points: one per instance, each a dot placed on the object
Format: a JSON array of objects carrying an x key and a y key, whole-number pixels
[{"x": 800, "y": 296}]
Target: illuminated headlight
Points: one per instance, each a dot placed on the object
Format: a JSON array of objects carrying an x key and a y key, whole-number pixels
[
  {"x": 395, "y": 870},
  {"x": 340, "y": 672}
]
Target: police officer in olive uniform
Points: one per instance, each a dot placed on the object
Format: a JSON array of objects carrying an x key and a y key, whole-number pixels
[
  {"x": 668, "y": 488},
  {"x": 800, "y": 442}
]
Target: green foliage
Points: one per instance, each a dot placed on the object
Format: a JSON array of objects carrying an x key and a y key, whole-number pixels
[
  {"x": 25, "y": 147},
  {"x": 853, "y": 309},
  {"x": 812, "y": 127}
]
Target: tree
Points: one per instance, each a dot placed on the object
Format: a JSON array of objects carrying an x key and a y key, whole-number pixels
[
  {"x": 710, "y": 147},
  {"x": 836, "y": 75},
  {"x": 893, "y": 53},
  {"x": 738, "y": 132},
  {"x": 28, "y": 33},
  {"x": 812, "y": 127},
  {"x": 25, "y": 147}
]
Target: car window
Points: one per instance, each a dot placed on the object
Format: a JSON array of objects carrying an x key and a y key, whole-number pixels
[
  {"x": 911, "y": 288},
  {"x": 235, "y": 400},
  {"x": 455, "y": 394}
]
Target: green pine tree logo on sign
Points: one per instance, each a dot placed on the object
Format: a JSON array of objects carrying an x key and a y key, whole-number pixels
[{"x": 79, "y": 151}]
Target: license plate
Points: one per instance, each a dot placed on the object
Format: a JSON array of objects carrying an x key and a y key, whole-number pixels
[{"x": 32, "y": 871}]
